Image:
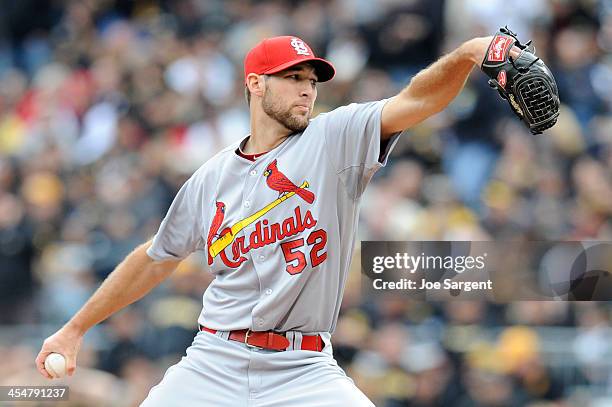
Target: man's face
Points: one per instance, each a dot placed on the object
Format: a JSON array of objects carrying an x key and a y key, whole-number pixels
[{"x": 290, "y": 95}]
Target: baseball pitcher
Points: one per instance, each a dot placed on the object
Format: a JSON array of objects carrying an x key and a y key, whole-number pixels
[{"x": 276, "y": 215}]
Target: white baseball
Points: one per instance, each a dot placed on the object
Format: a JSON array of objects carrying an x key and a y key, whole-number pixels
[{"x": 55, "y": 364}]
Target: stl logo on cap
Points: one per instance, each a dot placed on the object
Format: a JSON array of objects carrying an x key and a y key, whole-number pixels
[{"x": 299, "y": 46}]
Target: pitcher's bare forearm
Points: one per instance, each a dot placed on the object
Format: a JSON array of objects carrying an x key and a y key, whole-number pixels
[
  {"x": 133, "y": 278},
  {"x": 432, "y": 89}
]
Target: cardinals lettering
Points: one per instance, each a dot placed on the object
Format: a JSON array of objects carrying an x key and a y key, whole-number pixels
[{"x": 266, "y": 234}]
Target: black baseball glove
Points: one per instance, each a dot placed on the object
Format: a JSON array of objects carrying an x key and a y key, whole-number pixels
[{"x": 524, "y": 81}]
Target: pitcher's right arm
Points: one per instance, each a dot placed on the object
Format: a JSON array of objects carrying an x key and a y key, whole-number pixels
[{"x": 131, "y": 280}]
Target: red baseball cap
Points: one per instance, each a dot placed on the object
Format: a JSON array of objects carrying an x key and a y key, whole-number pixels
[{"x": 272, "y": 55}]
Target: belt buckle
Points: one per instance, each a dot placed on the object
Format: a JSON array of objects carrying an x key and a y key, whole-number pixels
[{"x": 246, "y": 339}]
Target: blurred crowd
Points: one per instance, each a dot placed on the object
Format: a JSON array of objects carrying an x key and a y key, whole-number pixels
[{"x": 107, "y": 107}]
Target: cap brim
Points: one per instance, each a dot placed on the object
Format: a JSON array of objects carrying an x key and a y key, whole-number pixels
[{"x": 324, "y": 69}]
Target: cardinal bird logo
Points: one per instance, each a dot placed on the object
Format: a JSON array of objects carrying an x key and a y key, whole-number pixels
[
  {"x": 277, "y": 181},
  {"x": 215, "y": 225}
]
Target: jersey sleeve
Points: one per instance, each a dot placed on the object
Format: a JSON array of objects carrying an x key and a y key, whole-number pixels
[
  {"x": 180, "y": 233},
  {"x": 352, "y": 140}
]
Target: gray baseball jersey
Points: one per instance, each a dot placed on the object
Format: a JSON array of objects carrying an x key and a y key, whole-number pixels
[{"x": 278, "y": 232}]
